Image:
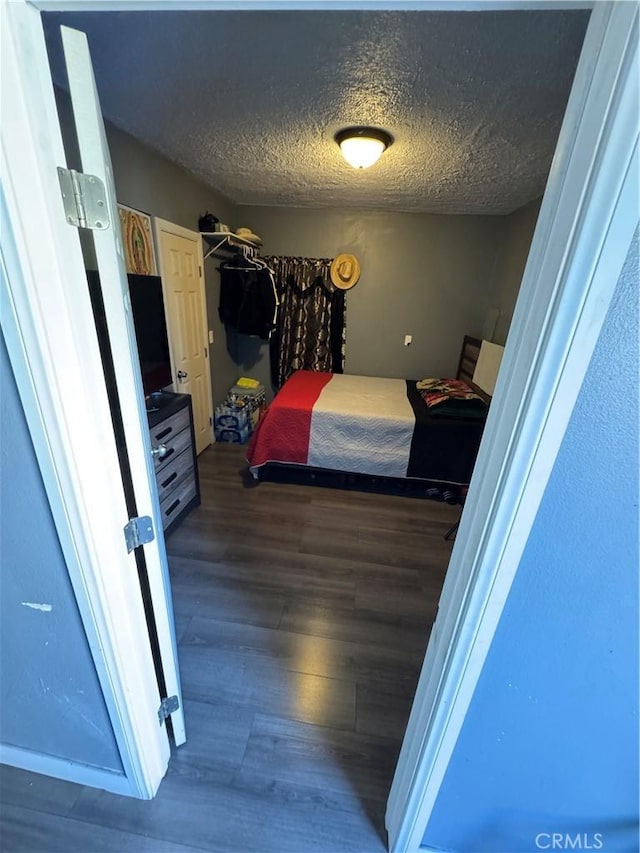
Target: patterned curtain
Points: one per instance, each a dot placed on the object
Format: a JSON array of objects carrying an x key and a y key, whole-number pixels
[{"x": 311, "y": 329}]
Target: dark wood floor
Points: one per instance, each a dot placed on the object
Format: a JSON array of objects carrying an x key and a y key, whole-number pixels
[{"x": 302, "y": 616}]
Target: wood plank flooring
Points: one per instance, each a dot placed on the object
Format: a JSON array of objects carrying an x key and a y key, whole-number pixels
[{"x": 302, "y": 616}]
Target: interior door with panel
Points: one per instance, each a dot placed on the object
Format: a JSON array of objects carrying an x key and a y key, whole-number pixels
[
  {"x": 96, "y": 161},
  {"x": 183, "y": 287}
]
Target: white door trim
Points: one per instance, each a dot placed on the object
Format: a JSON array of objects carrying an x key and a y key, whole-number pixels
[
  {"x": 59, "y": 768},
  {"x": 53, "y": 348},
  {"x": 588, "y": 216},
  {"x": 109, "y": 252},
  {"x": 163, "y": 226}
]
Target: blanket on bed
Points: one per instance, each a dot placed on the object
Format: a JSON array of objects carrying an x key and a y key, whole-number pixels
[
  {"x": 451, "y": 397},
  {"x": 363, "y": 425}
]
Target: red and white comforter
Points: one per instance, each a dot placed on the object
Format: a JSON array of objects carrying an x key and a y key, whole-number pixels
[
  {"x": 364, "y": 425},
  {"x": 359, "y": 424}
]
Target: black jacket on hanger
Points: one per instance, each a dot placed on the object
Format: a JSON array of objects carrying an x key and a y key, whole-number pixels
[{"x": 248, "y": 300}]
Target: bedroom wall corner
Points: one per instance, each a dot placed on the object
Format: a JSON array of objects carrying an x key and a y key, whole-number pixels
[{"x": 512, "y": 250}]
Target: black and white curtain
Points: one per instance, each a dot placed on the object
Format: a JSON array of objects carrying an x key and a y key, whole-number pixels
[{"x": 311, "y": 328}]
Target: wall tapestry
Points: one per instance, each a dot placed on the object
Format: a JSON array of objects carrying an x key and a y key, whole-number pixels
[{"x": 137, "y": 240}]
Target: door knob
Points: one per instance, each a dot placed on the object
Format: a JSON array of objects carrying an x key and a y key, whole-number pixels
[
  {"x": 160, "y": 451},
  {"x": 182, "y": 374}
]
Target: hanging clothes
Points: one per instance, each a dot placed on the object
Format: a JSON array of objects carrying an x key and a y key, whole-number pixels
[
  {"x": 311, "y": 327},
  {"x": 248, "y": 300}
]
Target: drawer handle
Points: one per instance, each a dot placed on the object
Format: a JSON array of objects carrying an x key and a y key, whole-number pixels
[
  {"x": 169, "y": 452},
  {"x": 164, "y": 433},
  {"x": 169, "y": 479},
  {"x": 171, "y": 508}
]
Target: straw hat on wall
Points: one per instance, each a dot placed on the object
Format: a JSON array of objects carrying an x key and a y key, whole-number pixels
[{"x": 345, "y": 271}]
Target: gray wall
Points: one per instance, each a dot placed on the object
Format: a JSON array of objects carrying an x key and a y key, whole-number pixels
[
  {"x": 550, "y": 741},
  {"x": 50, "y": 698},
  {"x": 422, "y": 274},
  {"x": 512, "y": 249},
  {"x": 432, "y": 276},
  {"x": 148, "y": 181}
]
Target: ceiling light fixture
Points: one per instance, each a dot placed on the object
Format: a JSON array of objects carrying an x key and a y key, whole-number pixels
[{"x": 362, "y": 146}]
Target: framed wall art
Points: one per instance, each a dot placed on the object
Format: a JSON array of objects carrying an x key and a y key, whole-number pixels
[{"x": 137, "y": 240}]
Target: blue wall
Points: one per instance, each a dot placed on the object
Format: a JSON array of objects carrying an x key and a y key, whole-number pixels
[
  {"x": 50, "y": 698},
  {"x": 550, "y": 743}
]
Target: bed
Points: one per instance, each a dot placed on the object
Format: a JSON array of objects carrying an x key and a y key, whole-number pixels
[{"x": 371, "y": 429}]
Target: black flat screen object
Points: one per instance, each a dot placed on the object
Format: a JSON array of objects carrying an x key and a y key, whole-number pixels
[{"x": 149, "y": 319}]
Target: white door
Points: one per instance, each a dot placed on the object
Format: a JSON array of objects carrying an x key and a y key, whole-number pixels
[
  {"x": 183, "y": 287},
  {"x": 96, "y": 161}
]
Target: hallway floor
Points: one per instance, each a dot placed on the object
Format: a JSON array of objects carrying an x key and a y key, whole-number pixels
[{"x": 302, "y": 615}]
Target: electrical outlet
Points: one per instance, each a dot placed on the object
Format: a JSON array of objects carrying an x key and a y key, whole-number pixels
[{"x": 407, "y": 340}]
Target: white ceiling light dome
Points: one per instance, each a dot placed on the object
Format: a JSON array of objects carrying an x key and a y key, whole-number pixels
[{"x": 361, "y": 147}]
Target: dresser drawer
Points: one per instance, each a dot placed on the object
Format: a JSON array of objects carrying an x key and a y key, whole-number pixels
[
  {"x": 171, "y": 425},
  {"x": 174, "y": 473},
  {"x": 175, "y": 445},
  {"x": 163, "y": 432},
  {"x": 173, "y": 504}
]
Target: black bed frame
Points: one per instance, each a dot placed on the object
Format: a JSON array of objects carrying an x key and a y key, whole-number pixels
[{"x": 303, "y": 475}]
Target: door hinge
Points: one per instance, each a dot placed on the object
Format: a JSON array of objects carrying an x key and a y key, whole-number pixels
[
  {"x": 138, "y": 531},
  {"x": 200, "y": 271},
  {"x": 84, "y": 199},
  {"x": 206, "y": 354},
  {"x": 210, "y": 421},
  {"x": 167, "y": 707}
]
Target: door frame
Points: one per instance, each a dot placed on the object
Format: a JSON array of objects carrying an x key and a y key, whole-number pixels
[
  {"x": 589, "y": 213},
  {"x": 53, "y": 349},
  {"x": 567, "y": 288},
  {"x": 163, "y": 226}
]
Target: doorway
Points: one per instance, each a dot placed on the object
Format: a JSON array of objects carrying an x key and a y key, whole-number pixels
[{"x": 507, "y": 429}]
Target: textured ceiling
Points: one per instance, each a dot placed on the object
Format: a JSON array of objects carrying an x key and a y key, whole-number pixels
[{"x": 250, "y": 101}]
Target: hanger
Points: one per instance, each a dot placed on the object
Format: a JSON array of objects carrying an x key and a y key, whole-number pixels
[{"x": 249, "y": 257}]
